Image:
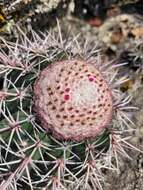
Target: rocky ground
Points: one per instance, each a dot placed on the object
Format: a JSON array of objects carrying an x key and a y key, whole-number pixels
[{"x": 117, "y": 28}]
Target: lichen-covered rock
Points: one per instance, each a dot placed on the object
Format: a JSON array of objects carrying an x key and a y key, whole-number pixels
[
  {"x": 38, "y": 14},
  {"x": 121, "y": 33}
]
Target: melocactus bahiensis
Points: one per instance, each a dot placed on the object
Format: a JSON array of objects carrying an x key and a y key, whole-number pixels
[{"x": 76, "y": 96}]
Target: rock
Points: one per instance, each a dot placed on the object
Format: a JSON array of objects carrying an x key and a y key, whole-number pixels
[{"x": 39, "y": 14}]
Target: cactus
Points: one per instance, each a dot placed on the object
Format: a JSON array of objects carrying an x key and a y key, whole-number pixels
[{"x": 33, "y": 155}]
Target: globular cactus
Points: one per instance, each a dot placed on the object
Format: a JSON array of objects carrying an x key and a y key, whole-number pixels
[{"x": 63, "y": 117}]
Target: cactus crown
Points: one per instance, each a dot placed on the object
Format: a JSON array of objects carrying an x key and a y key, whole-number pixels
[{"x": 73, "y": 98}]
